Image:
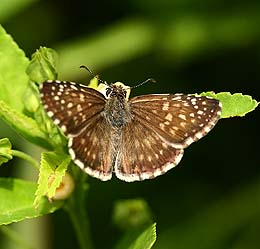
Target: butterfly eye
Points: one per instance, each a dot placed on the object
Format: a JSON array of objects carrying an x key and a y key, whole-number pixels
[{"x": 108, "y": 91}]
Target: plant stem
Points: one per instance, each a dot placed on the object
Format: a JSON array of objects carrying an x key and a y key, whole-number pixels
[
  {"x": 26, "y": 157},
  {"x": 77, "y": 211},
  {"x": 81, "y": 227}
]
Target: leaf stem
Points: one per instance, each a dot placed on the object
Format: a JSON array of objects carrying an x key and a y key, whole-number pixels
[{"x": 26, "y": 157}]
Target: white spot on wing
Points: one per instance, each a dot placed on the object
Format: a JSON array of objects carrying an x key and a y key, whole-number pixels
[
  {"x": 69, "y": 105},
  {"x": 72, "y": 86},
  {"x": 182, "y": 116},
  {"x": 166, "y": 106},
  {"x": 63, "y": 128},
  {"x": 50, "y": 113},
  {"x": 79, "y": 108},
  {"x": 56, "y": 121},
  {"x": 168, "y": 117}
]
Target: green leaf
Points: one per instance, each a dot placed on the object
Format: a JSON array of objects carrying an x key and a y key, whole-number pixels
[
  {"x": 25, "y": 126},
  {"x": 5, "y": 150},
  {"x": 146, "y": 239},
  {"x": 233, "y": 104},
  {"x": 13, "y": 79},
  {"x": 135, "y": 239},
  {"x": 53, "y": 166},
  {"x": 43, "y": 65},
  {"x": 131, "y": 213},
  {"x": 17, "y": 201}
]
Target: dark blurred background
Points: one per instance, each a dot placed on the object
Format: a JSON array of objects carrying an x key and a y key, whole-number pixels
[{"x": 212, "y": 199}]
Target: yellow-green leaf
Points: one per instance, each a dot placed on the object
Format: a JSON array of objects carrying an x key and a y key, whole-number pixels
[
  {"x": 233, "y": 104},
  {"x": 18, "y": 196},
  {"x": 52, "y": 169},
  {"x": 13, "y": 79},
  {"x": 43, "y": 65}
]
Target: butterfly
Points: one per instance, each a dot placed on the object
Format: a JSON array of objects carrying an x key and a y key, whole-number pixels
[{"x": 138, "y": 138}]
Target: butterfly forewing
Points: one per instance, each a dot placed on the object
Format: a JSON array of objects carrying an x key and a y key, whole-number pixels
[
  {"x": 178, "y": 119},
  {"x": 71, "y": 105}
]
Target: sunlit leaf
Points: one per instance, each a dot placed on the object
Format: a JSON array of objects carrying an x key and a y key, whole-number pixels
[
  {"x": 52, "y": 169},
  {"x": 13, "y": 79},
  {"x": 17, "y": 201},
  {"x": 233, "y": 104},
  {"x": 43, "y": 65}
]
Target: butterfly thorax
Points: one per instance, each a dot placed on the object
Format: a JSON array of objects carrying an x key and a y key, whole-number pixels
[{"x": 117, "y": 111}]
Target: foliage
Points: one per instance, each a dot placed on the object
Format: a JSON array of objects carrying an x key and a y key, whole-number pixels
[{"x": 181, "y": 38}]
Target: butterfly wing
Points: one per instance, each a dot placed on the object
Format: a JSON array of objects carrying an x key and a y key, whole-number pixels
[
  {"x": 92, "y": 150},
  {"x": 179, "y": 119},
  {"x": 162, "y": 126},
  {"x": 71, "y": 105},
  {"x": 143, "y": 154},
  {"x": 77, "y": 109}
]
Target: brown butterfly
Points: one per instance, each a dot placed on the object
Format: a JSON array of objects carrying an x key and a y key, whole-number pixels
[{"x": 137, "y": 139}]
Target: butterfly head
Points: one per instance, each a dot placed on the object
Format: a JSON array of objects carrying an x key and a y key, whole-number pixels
[{"x": 117, "y": 89}]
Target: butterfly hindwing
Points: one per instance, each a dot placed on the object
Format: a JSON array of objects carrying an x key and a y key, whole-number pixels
[
  {"x": 92, "y": 149},
  {"x": 143, "y": 154}
]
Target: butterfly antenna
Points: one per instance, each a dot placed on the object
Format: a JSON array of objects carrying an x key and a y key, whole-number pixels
[
  {"x": 94, "y": 75},
  {"x": 144, "y": 82}
]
